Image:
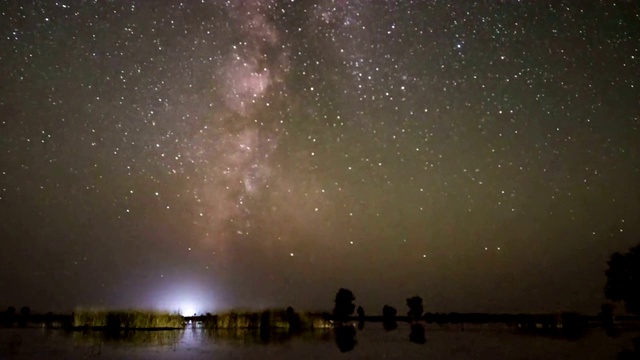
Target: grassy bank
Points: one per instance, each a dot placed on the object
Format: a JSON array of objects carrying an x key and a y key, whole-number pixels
[
  {"x": 126, "y": 319},
  {"x": 268, "y": 319},
  {"x": 137, "y": 319}
]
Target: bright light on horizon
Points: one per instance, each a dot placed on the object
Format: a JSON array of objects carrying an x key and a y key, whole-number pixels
[
  {"x": 185, "y": 298},
  {"x": 188, "y": 310}
]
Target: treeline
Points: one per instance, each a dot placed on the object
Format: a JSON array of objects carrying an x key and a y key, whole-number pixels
[
  {"x": 344, "y": 309},
  {"x": 11, "y": 318}
]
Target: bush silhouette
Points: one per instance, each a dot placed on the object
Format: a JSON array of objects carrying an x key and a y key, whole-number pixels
[
  {"x": 344, "y": 305},
  {"x": 8, "y": 316},
  {"x": 389, "y": 318},
  {"x": 25, "y": 311},
  {"x": 389, "y": 313},
  {"x": 415, "y": 308},
  {"x": 623, "y": 279}
]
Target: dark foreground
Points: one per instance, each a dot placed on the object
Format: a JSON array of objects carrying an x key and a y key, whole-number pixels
[{"x": 371, "y": 342}]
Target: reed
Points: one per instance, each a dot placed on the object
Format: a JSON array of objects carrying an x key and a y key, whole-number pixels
[
  {"x": 127, "y": 319},
  {"x": 268, "y": 319}
]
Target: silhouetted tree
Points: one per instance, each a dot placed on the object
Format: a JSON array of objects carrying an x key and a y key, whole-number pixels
[
  {"x": 606, "y": 312},
  {"x": 344, "y": 306},
  {"x": 607, "y": 318},
  {"x": 265, "y": 321},
  {"x": 293, "y": 319},
  {"x": 415, "y": 308},
  {"x": 360, "y": 312},
  {"x": 25, "y": 311},
  {"x": 623, "y": 279},
  {"x": 48, "y": 319},
  {"x": 389, "y": 313},
  {"x": 389, "y": 318},
  {"x": 8, "y": 317}
]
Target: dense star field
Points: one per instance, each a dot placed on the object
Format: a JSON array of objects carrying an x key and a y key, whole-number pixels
[{"x": 208, "y": 155}]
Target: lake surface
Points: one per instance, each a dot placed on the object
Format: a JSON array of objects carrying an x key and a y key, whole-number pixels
[{"x": 372, "y": 342}]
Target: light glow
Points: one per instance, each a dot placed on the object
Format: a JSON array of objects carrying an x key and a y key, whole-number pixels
[{"x": 186, "y": 299}]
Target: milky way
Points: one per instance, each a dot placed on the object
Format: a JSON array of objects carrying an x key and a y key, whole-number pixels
[
  {"x": 237, "y": 151},
  {"x": 266, "y": 153}
]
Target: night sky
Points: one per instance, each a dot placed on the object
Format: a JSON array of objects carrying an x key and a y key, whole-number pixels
[{"x": 207, "y": 155}]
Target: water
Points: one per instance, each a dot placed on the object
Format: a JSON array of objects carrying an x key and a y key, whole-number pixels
[{"x": 372, "y": 342}]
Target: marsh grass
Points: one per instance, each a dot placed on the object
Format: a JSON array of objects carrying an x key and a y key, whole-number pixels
[
  {"x": 127, "y": 319},
  {"x": 315, "y": 320},
  {"x": 138, "y": 319},
  {"x": 268, "y": 319}
]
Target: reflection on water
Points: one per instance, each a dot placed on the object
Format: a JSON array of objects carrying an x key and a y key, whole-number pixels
[
  {"x": 194, "y": 337},
  {"x": 417, "y": 334},
  {"x": 345, "y": 337},
  {"x": 479, "y": 342},
  {"x": 631, "y": 354},
  {"x": 253, "y": 336},
  {"x": 389, "y": 325},
  {"x": 133, "y": 338}
]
